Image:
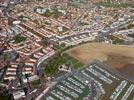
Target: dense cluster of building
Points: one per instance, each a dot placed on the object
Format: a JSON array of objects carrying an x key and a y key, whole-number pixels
[{"x": 26, "y": 24}]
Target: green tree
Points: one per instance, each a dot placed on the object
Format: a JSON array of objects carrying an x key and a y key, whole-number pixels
[{"x": 44, "y": 41}]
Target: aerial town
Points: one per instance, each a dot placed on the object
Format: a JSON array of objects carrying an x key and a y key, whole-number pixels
[{"x": 66, "y": 49}]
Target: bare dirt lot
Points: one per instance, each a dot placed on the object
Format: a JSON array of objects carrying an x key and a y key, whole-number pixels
[{"x": 118, "y": 57}]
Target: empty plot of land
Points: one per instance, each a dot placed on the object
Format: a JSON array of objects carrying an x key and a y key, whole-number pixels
[{"x": 118, "y": 57}]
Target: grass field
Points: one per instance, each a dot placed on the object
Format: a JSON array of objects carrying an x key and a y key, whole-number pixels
[
  {"x": 118, "y": 57},
  {"x": 58, "y": 60}
]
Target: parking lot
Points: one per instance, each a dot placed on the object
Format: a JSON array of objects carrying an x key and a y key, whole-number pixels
[
  {"x": 71, "y": 88},
  {"x": 79, "y": 85}
]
